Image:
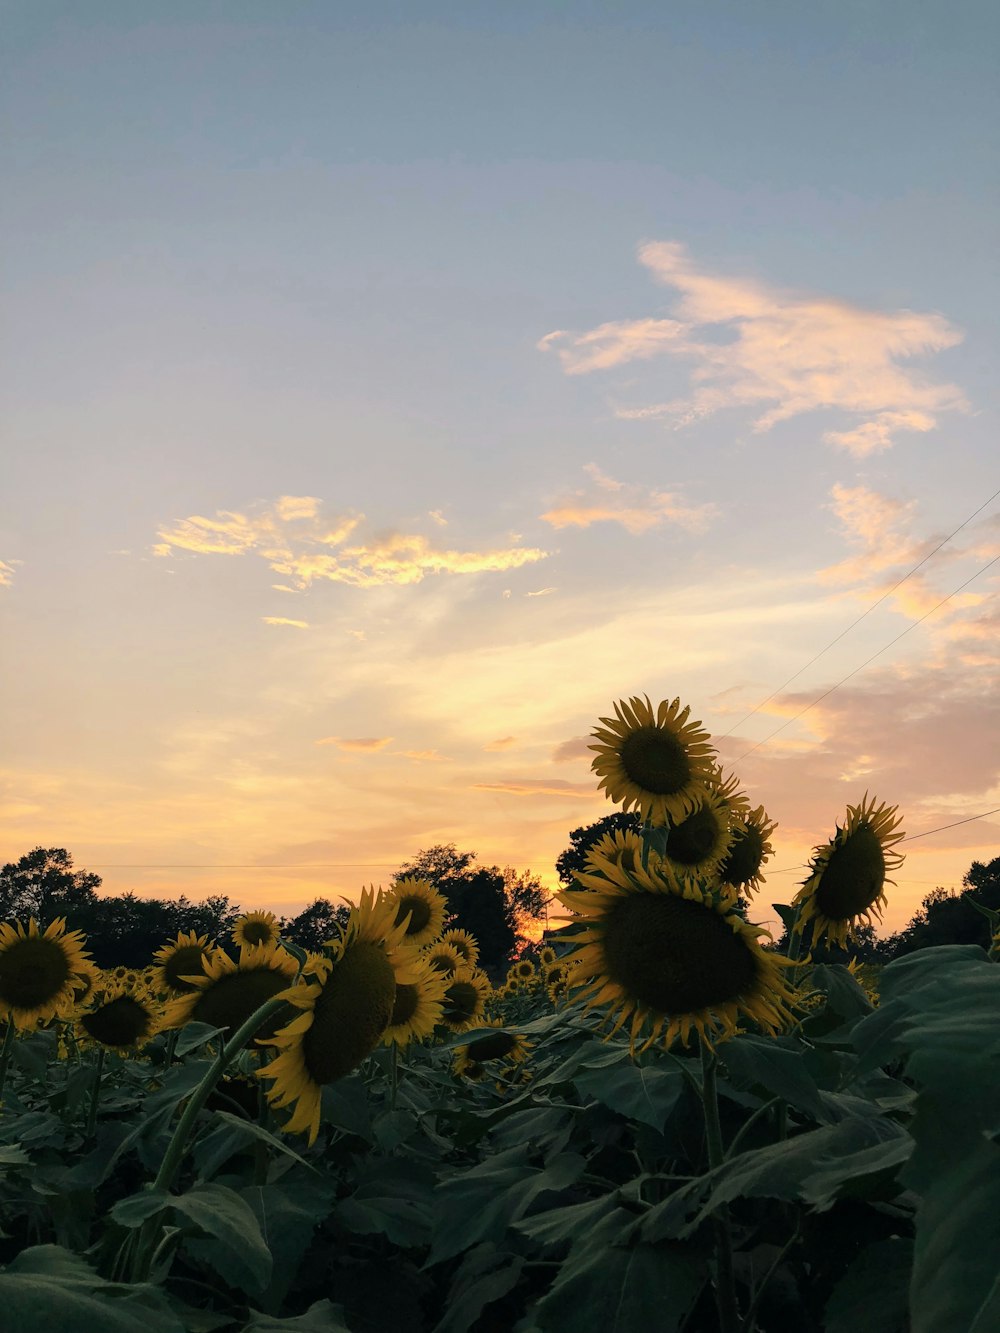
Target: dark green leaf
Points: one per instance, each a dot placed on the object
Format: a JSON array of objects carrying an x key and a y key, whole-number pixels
[
  {"x": 394, "y": 1199},
  {"x": 49, "y": 1287},
  {"x": 640, "y": 1092},
  {"x": 874, "y": 1292},
  {"x": 776, "y": 1066},
  {"x": 485, "y": 1275},
  {"x": 288, "y": 1212},
  {"x": 319, "y": 1318},
  {"x": 240, "y": 1253},
  {"x": 193, "y": 1035}
]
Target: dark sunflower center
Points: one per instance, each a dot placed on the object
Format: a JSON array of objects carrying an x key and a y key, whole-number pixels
[
  {"x": 33, "y": 971},
  {"x": 351, "y": 1012},
  {"x": 675, "y": 956},
  {"x": 420, "y": 910},
  {"x": 123, "y": 1022},
  {"x": 183, "y": 962},
  {"x": 853, "y": 877},
  {"x": 493, "y": 1047},
  {"x": 405, "y": 1004},
  {"x": 655, "y": 760},
  {"x": 694, "y": 838},
  {"x": 461, "y": 1002},
  {"x": 442, "y": 963},
  {"x": 258, "y": 932},
  {"x": 229, "y": 1002},
  {"x": 744, "y": 858}
]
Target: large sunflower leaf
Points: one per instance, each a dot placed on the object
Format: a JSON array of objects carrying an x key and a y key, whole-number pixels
[
  {"x": 956, "y": 1286},
  {"x": 288, "y": 1212},
  {"x": 874, "y": 1292},
  {"x": 231, "y": 1135},
  {"x": 48, "y": 1281},
  {"x": 485, "y": 1275},
  {"x": 605, "y": 1287},
  {"x": 239, "y": 1252},
  {"x": 640, "y": 1092},
  {"x": 319, "y": 1318},
  {"x": 776, "y": 1066},
  {"x": 394, "y": 1198}
]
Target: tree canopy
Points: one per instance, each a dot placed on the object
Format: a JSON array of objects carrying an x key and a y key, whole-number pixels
[
  {"x": 953, "y": 918},
  {"x": 570, "y": 862}
]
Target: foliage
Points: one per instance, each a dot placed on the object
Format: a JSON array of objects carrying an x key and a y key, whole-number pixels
[
  {"x": 315, "y": 924},
  {"x": 573, "y": 860},
  {"x": 953, "y": 918}
]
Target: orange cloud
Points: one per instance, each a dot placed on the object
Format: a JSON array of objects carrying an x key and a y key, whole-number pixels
[
  {"x": 634, "y": 507},
  {"x": 502, "y": 743},
  {"x": 302, "y": 553},
  {"x": 282, "y": 620},
  {"x": 362, "y": 744},
  {"x": 422, "y": 756},
  {"x": 7, "y": 572},
  {"x": 578, "y": 747},
  {"x": 783, "y": 354}
]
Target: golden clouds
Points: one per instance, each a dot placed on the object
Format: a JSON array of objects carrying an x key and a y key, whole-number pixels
[
  {"x": 633, "y": 506},
  {"x": 779, "y": 353},
  {"x": 283, "y": 620},
  {"x": 7, "y": 572},
  {"x": 301, "y": 545},
  {"x": 357, "y": 744},
  {"x": 541, "y": 787}
]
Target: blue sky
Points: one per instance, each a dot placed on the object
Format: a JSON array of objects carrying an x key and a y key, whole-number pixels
[{"x": 594, "y": 334}]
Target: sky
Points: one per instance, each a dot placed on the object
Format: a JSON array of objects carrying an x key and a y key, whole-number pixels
[{"x": 388, "y": 389}]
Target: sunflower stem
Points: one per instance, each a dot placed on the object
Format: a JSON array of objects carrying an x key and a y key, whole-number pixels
[
  {"x": 95, "y": 1095},
  {"x": 725, "y": 1289},
  {"x": 5, "y": 1053},
  {"x": 174, "y": 1155},
  {"x": 393, "y": 1076}
]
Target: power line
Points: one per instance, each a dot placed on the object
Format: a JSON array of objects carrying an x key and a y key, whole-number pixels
[
  {"x": 826, "y": 693},
  {"x": 858, "y": 621}
]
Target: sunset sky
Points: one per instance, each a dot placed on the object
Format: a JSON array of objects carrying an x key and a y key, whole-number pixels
[{"x": 389, "y": 388}]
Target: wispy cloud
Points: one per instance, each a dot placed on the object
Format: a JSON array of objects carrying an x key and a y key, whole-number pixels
[
  {"x": 423, "y": 756},
  {"x": 541, "y": 787},
  {"x": 501, "y": 743},
  {"x": 282, "y": 620},
  {"x": 779, "y": 353},
  {"x": 577, "y": 747},
  {"x": 633, "y": 506},
  {"x": 357, "y": 744},
  {"x": 541, "y": 592},
  {"x": 7, "y": 572},
  {"x": 303, "y": 546}
]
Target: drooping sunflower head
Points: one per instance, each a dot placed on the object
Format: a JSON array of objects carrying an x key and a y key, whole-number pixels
[
  {"x": 124, "y": 1017},
  {"x": 416, "y": 1008},
  {"x": 39, "y": 973},
  {"x": 742, "y": 868},
  {"x": 622, "y": 847},
  {"x": 697, "y": 843},
  {"x": 178, "y": 959},
  {"x": 667, "y": 952},
  {"x": 227, "y": 993},
  {"x": 466, "y": 944},
  {"x": 465, "y": 1000},
  {"x": 547, "y": 956},
  {"x": 421, "y": 907},
  {"x": 347, "y": 1003},
  {"x": 444, "y": 958},
  {"x": 256, "y": 928},
  {"x": 848, "y": 874},
  {"x": 655, "y": 761},
  {"x": 502, "y": 1044}
]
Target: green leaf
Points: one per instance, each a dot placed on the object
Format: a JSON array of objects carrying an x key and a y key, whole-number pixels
[
  {"x": 136, "y": 1208},
  {"x": 345, "y": 1106},
  {"x": 479, "y": 1204},
  {"x": 12, "y": 1154},
  {"x": 393, "y": 1199},
  {"x": 640, "y": 1092},
  {"x": 319, "y": 1318},
  {"x": 193, "y": 1035},
  {"x": 606, "y": 1287},
  {"x": 560, "y": 1225},
  {"x": 240, "y": 1254},
  {"x": 775, "y": 1065},
  {"x": 231, "y": 1135},
  {"x": 485, "y": 1275},
  {"x": 288, "y": 1212},
  {"x": 48, "y": 1286},
  {"x": 874, "y": 1292},
  {"x": 955, "y": 1286}
]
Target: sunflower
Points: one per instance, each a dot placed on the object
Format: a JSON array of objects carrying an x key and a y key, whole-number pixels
[
  {"x": 346, "y": 1004},
  {"x": 86, "y": 981},
  {"x": 465, "y": 1000},
  {"x": 179, "y": 959},
  {"x": 227, "y": 993},
  {"x": 697, "y": 843},
  {"x": 742, "y": 867},
  {"x": 255, "y": 928},
  {"x": 502, "y": 1044},
  {"x": 728, "y": 790},
  {"x": 622, "y": 846},
  {"x": 123, "y": 1017},
  {"x": 466, "y": 944},
  {"x": 418, "y": 900},
  {"x": 657, "y": 762},
  {"x": 39, "y": 973},
  {"x": 547, "y": 955},
  {"x": 416, "y": 1010},
  {"x": 666, "y": 950},
  {"x": 525, "y": 969},
  {"x": 848, "y": 874},
  {"x": 445, "y": 958},
  {"x": 557, "y": 982}
]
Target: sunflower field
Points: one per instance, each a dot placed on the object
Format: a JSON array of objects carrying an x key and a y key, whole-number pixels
[{"x": 656, "y": 1120}]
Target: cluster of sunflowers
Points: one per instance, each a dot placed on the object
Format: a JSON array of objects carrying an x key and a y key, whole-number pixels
[
  {"x": 550, "y": 977},
  {"x": 663, "y": 940}
]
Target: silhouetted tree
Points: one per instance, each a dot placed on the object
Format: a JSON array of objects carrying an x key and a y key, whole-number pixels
[
  {"x": 44, "y": 885},
  {"x": 947, "y": 917},
  {"x": 315, "y": 924},
  {"x": 573, "y": 859}
]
